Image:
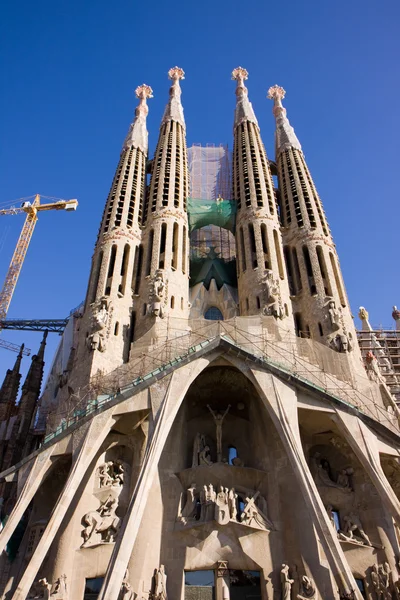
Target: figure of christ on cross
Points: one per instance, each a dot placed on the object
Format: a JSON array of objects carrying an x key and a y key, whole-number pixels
[{"x": 218, "y": 418}]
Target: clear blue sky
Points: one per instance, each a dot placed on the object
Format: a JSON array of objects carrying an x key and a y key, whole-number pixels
[{"x": 69, "y": 70}]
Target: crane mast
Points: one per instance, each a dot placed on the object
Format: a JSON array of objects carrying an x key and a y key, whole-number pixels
[{"x": 31, "y": 210}]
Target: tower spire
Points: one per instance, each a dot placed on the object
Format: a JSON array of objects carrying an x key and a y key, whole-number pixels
[
  {"x": 262, "y": 285},
  {"x": 9, "y": 389},
  {"x": 174, "y": 109},
  {"x": 244, "y": 110},
  {"x": 285, "y": 136},
  {"x": 137, "y": 135}
]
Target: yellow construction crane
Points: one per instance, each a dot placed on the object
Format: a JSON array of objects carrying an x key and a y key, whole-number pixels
[{"x": 31, "y": 209}]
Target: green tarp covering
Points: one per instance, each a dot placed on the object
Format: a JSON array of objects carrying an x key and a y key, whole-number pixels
[{"x": 220, "y": 212}]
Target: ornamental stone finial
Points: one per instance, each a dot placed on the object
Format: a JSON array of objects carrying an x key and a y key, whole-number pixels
[
  {"x": 363, "y": 313},
  {"x": 176, "y": 73},
  {"x": 240, "y": 74},
  {"x": 276, "y": 92},
  {"x": 144, "y": 91}
]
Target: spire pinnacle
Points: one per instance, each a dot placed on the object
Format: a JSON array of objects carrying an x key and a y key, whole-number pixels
[
  {"x": 137, "y": 134},
  {"x": 174, "y": 110},
  {"x": 244, "y": 110},
  {"x": 285, "y": 136}
]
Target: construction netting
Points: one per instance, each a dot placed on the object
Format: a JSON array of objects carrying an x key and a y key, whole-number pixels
[{"x": 212, "y": 212}]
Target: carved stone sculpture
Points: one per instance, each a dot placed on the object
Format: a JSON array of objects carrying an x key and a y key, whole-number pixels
[
  {"x": 286, "y": 583},
  {"x": 307, "y": 588},
  {"x": 382, "y": 581},
  {"x": 273, "y": 306},
  {"x": 111, "y": 473},
  {"x": 363, "y": 314},
  {"x": 222, "y": 513},
  {"x": 352, "y": 526},
  {"x": 333, "y": 316},
  {"x": 323, "y": 475},
  {"x": 158, "y": 294},
  {"x": 190, "y": 507},
  {"x": 101, "y": 316},
  {"x": 160, "y": 587},
  {"x": 222, "y": 505},
  {"x": 218, "y": 418},
  {"x": 102, "y": 525},
  {"x": 198, "y": 445},
  {"x": 126, "y": 588},
  {"x": 40, "y": 589},
  {"x": 253, "y": 516}
]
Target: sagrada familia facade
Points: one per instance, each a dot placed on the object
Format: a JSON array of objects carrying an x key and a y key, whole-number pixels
[{"x": 212, "y": 426}]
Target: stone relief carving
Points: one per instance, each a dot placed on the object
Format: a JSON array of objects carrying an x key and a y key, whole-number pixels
[
  {"x": 307, "y": 588},
  {"x": 102, "y": 525},
  {"x": 223, "y": 505},
  {"x": 160, "y": 584},
  {"x": 273, "y": 306},
  {"x": 324, "y": 477},
  {"x": 382, "y": 582},
  {"x": 126, "y": 588},
  {"x": 44, "y": 590},
  {"x": 111, "y": 473},
  {"x": 333, "y": 316},
  {"x": 158, "y": 294},
  {"x": 286, "y": 583},
  {"x": 353, "y": 531},
  {"x": 100, "y": 324}
]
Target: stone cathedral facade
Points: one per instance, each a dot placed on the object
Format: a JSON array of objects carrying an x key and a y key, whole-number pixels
[{"x": 210, "y": 428}]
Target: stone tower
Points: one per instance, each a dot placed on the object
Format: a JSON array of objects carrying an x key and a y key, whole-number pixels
[
  {"x": 262, "y": 280},
  {"x": 163, "y": 289},
  {"x": 107, "y": 325},
  {"x": 320, "y": 305}
]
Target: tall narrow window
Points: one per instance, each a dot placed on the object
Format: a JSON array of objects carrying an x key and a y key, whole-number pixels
[
  {"x": 322, "y": 268},
  {"x": 184, "y": 250},
  {"x": 175, "y": 238},
  {"x": 337, "y": 279},
  {"x": 278, "y": 254},
  {"x": 253, "y": 246},
  {"x": 137, "y": 272},
  {"x": 97, "y": 276},
  {"x": 243, "y": 249},
  {"x": 163, "y": 239},
  {"x": 172, "y": 301},
  {"x": 264, "y": 239},
  {"x": 310, "y": 274},
  {"x": 296, "y": 269},
  {"x": 289, "y": 269},
  {"x": 130, "y": 337},
  {"x": 124, "y": 269},
  {"x": 149, "y": 252},
  {"x": 298, "y": 323},
  {"x": 110, "y": 272}
]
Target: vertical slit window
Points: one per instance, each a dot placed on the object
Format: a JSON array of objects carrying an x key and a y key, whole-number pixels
[
  {"x": 253, "y": 246},
  {"x": 299, "y": 285},
  {"x": 175, "y": 238},
  {"x": 163, "y": 239},
  {"x": 321, "y": 331},
  {"x": 184, "y": 250},
  {"x": 243, "y": 249},
  {"x": 298, "y": 323},
  {"x": 124, "y": 269},
  {"x": 289, "y": 269},
  {"x": 97, "y": 276},
  {"x": 278, "y": 255},
  {"x": 310, "y": 274},
  {"x": 264, "y": 239},
  {"x": 322, "y": 268},
  {"x": 172, "y": 301},
  {"x": 110, "y": 272},
  {"x": 137, "y": 272},
  {"x": 149, "y": 252},
  {"x": 337, "y": 279}
]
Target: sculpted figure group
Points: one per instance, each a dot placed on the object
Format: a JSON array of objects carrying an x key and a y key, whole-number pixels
[
  {"x": 324, "y": 477},
  {"x": 44, "y": 590},
  {"x": 102, "y": 525},
  {"x": 224, "y": 505},
  {"x": 111, "y": 473}
]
